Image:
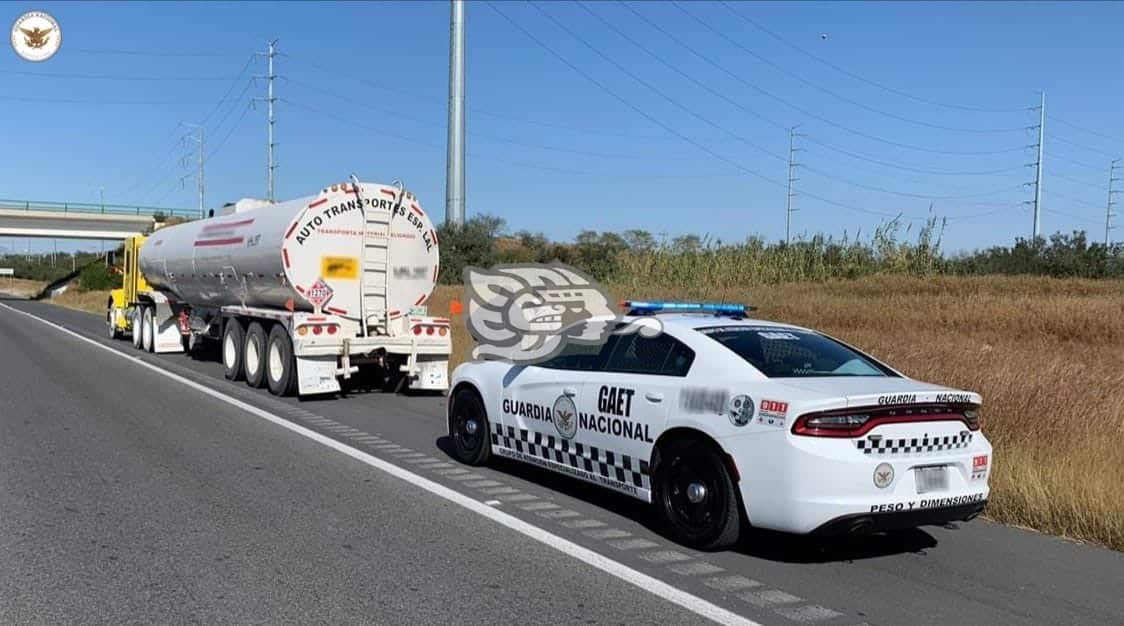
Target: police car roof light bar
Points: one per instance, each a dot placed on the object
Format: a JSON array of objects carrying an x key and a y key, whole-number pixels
[{"x": 641, "y": 307}]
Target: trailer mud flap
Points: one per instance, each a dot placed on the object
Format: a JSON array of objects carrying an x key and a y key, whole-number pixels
[
  {"x": 167, "y": 332},
  {"x": 317, "y": 374}
]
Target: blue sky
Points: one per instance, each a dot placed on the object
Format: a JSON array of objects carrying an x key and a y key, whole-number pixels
[{"x": 683, "y": 133}]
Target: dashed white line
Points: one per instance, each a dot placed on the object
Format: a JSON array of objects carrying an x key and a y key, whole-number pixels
[
  {"x": 634, "y": 577},
  {"x": 769, "y": 597},
  {"x": 809, "y": 613},
  {"x": 695, "y": 568},
  {"x": 665, "y": 556},
  {"x": 583, "y": 523},
  {"x": 731, "y": 583},
  {"x": 632, "y": 544}
]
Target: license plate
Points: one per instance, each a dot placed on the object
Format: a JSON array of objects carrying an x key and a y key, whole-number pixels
[{"x": 931, "y": 479}]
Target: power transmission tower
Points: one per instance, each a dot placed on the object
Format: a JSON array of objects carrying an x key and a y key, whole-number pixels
[
  {"x": 454, "y": 173},
  {"x": 1038, "y": 166},
  {"x": 1108, "y": 214},
  {"x": 271, "y": 52},
  {"x": 792, "y": 165},
  {"x": 197, "y": 137}
]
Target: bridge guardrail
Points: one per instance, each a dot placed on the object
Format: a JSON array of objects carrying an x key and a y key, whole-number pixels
[{"x": 91, "y": 207}]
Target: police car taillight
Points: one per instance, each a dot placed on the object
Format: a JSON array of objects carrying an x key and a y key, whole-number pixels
[{"x": 854, "y": 423}]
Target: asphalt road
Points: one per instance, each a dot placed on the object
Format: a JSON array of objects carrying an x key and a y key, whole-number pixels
[{"x": 128, "y": 496}]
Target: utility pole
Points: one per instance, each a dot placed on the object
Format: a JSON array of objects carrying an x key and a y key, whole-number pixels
[
  {"x": 792, "y": 165},
  {"x": 1038, "y": 167},
  {"x": 269, "y": 100},
  {"x": 198, "y": 139},
  {"x": 1108, "y": 214},
  {"x": 454, "y": 165}
]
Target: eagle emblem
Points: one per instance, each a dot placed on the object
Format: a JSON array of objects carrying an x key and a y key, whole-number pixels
[
  {"x": 36, "y": 37},
  {"x": 563, "y": 416}
]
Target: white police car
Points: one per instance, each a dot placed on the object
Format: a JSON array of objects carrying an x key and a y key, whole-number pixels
[{"x": 720, "y": 419}]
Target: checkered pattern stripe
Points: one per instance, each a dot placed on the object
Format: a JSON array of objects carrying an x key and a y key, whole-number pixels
[
  {"x": 620, "y": 467},
  {"x": 913, "y": 445}
]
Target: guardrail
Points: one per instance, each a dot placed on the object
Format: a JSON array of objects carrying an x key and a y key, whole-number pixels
[{"x": 88, "y": 207}]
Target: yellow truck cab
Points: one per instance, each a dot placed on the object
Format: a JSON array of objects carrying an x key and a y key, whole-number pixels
[{"x": 132, "y": 283}]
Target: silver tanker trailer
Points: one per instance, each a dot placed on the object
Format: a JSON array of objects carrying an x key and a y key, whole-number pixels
[{"x": 299, "y": 293}]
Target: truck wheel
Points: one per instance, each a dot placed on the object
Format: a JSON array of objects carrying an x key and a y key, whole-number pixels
[
  {"x": 110, "y": 320},
  {"x": 255, "y": 355},
  {"x": 135, "y": 327},
  {"x": 468, "y": 427},
  {"x": 280, "y": 366},
  {"x": 233, "y": 340},
  {"x": 148, "y": 330},
  {"x": 694, "y": 495}
]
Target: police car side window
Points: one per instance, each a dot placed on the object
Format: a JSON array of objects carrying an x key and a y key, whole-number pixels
[
  {"x": 662, "y": 355},
  {"x": 575, "y": 356}
]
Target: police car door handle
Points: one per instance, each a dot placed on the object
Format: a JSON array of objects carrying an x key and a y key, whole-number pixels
[
  {"x": 569, "y": 392},
  {"x": 654, "y": 397}
]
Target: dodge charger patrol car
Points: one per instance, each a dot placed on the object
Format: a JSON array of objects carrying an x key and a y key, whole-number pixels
[{"x": 720, "y": 420}]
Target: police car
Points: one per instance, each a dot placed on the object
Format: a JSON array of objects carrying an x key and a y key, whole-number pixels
[{"x": 720, "y": 419}]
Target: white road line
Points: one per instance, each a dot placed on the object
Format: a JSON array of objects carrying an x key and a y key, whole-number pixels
[{"x": 625, "y": 573}]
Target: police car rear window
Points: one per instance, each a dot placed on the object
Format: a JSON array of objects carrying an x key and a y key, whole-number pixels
[{"x": 780, "y": 352}]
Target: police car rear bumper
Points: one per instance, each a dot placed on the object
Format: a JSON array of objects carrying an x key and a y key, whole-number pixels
[{"x": 865, "y": 523}]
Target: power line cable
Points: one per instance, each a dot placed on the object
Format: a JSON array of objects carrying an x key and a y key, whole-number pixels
[
  {"x": 858, "y": 156},
  {"x": 873, "y": 83},
  {"x": 821, "y": 118},
  {"x": 150, "y": 53},
  {"x": 1075, "y": 162},
  {"x": 1081, "y": 146},
  {"x": 229, "y": 89},
  {"x": 113, "y": 77},
  {"x": 1076, "y": 203},
  {"x": 1085, "y": 130},
  {"x": 1077, "y": 181},
  {"x": 99, "y": 102},
  {"x": 1079, "y": 218},
  {"x": 530, "y": 165},
  {"x": 667, "y": 127},
  {"x": 718, "y": 94},
  {"x": 861, "y": 105}
]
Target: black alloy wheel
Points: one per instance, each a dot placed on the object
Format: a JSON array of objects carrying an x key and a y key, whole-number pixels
[
  {"x": 695, "y": 496},
  {"x": 468, "y": 427}
]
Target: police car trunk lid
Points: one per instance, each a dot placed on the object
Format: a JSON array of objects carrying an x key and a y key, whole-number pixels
[{"x": 858, "y": 391}]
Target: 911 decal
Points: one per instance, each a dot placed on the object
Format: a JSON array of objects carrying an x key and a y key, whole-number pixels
[{"x": 772, "y": 413}]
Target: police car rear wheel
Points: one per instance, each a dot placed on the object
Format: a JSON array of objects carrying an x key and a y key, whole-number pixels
[
  {"x": 695, "y": 496},
  {"x": 468, "y": 427}
]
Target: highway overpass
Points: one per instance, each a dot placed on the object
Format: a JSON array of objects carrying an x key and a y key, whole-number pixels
[{"x": 68, "y": 220}]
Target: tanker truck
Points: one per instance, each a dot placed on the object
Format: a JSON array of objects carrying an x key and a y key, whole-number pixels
[{"x": 299, "y": 294}]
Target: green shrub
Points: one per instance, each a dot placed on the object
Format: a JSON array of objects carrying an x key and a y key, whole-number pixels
[{"x": 96, "y": 276}]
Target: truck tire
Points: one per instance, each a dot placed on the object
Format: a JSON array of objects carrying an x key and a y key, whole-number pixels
[
  {"x": 148, "y": 330},
  {"x": 280, "y": 366},
  {"x": 233, "y": 342},
  {"x": 135, "y": 327},
  {"x": 254, "y": 355},
  {"x": 111, "y": 321}
]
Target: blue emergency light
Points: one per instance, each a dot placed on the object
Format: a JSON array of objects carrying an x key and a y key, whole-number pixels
[{"x": 641, "y": 307}]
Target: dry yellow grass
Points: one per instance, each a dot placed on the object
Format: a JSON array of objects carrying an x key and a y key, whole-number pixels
[
  {"x": 1047, "y": 355},
  {"x": 20, "y": 287},
  {"x": 89, "y": 301}
]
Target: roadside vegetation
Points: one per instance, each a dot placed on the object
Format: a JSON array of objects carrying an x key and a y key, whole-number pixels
[{"x": 1037, "y": 328}]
